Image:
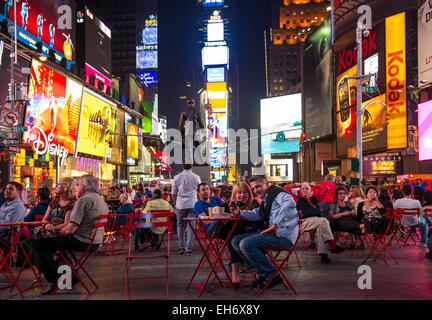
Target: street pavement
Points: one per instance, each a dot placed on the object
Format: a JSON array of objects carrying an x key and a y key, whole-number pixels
[{"x": 410, "y": 279}]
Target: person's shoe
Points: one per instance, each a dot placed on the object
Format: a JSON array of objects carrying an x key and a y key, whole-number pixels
[
  {"x": 49, "y": 290},
  {"x": 236, "y": 285},
  {"x": 429, "y": 255},
  {"x": 326, "y": 260},
  {"x": 337, "y": 249},
  {"x": 188, "y": 253},
  {"x": 276, "y": 280},
  {"x": 180, "y": 251},
  {"x": 258, "y": 281}
]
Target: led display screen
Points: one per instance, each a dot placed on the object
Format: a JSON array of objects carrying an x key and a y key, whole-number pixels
[
  {"x": 147, "y": 59},
  {"x": 425, "y": 130},
  {"x": 98, "y": 119},
  {"x": 213, "y": 3},
  {"x": 214, "y": 55},
  {"x": 281, "y": 124},
  {"x": 216, "y": 74},
  {"x": 100, "y": 81},
  {"x": 217, "y": 96},
  {"x": 132, "y": 140},
  {"x": 54, "y": 109},
  {"x": 215, "y": 31},
  {"x": 218, "y": 157},
  {"x": 218, "y": 129},
  {"x": 148, "y": 78},
  {"x": 147, "y": 44}
]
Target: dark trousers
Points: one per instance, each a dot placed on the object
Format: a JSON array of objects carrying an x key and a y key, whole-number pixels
[{"x": 44, "y": 249}]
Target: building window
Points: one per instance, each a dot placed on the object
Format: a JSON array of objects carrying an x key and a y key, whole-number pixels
[
  {"x": 301, "y": 20},
  {"x": 277, "y": 37}
]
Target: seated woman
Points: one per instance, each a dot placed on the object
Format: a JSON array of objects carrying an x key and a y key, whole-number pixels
[
  {"x": 355, "y": 195},
  {"x": 241, "y": 196},
  {"x": 125, "y": 208},
  {"x": 368, "y": 210},
  {"x": 343, "y": 214}
]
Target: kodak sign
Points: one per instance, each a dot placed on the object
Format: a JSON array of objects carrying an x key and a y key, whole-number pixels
[{"x": 396, "y": 81}]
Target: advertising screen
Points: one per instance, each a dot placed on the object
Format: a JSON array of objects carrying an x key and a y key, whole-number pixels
[
  {"x": 374, "y": 133},
  {"x": 217, "y": 96},
  {"x": 214, "y": 55},
  {"x": 100, "y": 81},
  {"x": 53, "y": 114},
  {"x": 281, "y": 124},
  {"x": 148, "y": 78},
  {"x": 425, "y": 130},
  {"x": 218, "y": 157},
  {"x": 213, "y": 3},
  {"x": 98, "y": 118},
  {"x": 132, "y": 140},
  {"x": 98, "y": 43},
  {"x": 147, "y": 59},
  {"x": 424, "y": 47},
  {"x": 215, "y": 31},
  {"x": 216, "y": 74},
  {"x": 218, "y": 129},
  {"x": 318, "y": 91},
  {"x": 382, "y": 165},
  {"x": 147, "y": 44},
  {"x": 48, "y": 21}
]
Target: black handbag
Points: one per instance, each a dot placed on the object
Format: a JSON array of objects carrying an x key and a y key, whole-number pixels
[{"x": 376, "y": 223}]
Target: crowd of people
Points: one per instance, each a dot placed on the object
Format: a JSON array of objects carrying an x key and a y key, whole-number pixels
[{"x": 271, "y": 217}]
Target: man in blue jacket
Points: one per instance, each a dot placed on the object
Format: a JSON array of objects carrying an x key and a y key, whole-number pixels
[{"x": 280, "y": 227}]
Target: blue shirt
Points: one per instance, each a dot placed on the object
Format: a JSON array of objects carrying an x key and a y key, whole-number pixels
[
  {"x": 12, "y": 212},
  {"x": 283, "y": 214},
  {"x": 38, "y": 210},
  {"x": 202, "y": 207}
]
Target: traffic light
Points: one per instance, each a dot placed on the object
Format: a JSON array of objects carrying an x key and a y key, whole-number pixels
[{"x": 303, "y": 136}]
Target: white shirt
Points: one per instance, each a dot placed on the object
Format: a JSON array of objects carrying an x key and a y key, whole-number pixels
[
  {"x": 185, "y": 187},
  {"x": 406, "y": 203}
]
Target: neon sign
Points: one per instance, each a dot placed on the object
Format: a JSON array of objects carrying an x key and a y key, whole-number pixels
[{"x": 44, "y": 145}]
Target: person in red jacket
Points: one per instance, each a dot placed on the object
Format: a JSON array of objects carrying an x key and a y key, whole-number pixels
[
  {"x": 318, "y": 191},
  {"x": 325, "y": 198}
]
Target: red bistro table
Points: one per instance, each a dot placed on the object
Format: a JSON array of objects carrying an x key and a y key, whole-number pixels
[
  {"x": 122, "y": 232},
  {"x": 5, "y": 265},
  {"x": 211, "y": 247}
]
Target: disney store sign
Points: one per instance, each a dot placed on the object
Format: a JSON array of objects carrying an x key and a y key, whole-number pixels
[{"x": 43, "y": 144}]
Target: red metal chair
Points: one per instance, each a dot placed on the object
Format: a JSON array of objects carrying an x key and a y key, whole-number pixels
[
  {"x": 156, "y": 214},
  {"x": 273, "y": 254},
  {"x": 78, "y": 262},
  {"x": 412, "y": 231}
]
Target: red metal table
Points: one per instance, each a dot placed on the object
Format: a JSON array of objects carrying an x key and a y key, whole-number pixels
[
  {"x": 114, "y": 227},
  {"x": 211, "y": 248},
  {"x": 5, "y": 263}
]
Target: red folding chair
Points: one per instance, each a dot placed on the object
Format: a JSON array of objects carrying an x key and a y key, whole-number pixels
[
  {"x": 163, "y": 215},
  {"x": 379, "y": 243},
  {"x": 273, "y": 254},
  {"x": 78, "y": 262},
  {"x": 411, "y": 232}
]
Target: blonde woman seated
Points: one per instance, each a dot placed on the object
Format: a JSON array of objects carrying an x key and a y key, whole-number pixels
[{"x": 356, "y": 195}]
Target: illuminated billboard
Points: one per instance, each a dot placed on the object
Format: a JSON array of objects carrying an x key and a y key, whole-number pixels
[
  {"x": 281, "y": 124},
  {"x": 425, "y": 130},
  {"x": 147, "y": 44},
  {"x": 98, "y": 79},
  {"x": 216, "y": 74},
  {"x": 147, "y": 59},
  {"x": 50, "y": 22},
  {"x": 424, "y": 26},
  {"x": 214, "y": 55},
  {"x": 215, "y": 31},
  {"x": 213, "y": 3},
  {"x": 97, "y": 43},
  {"x": 218, "y": 157},
  {"x": 132, "y": 140},
  {"x": 53, "y": 114},
  {"x": 218, "y": 129},
  {"x": 148, "y": 78},
  {"x": 97, "y": 125},
  {"x": 217, "y": 96}
]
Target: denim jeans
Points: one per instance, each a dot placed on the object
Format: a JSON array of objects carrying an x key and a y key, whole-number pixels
[
  {"x": 212, "y": 228},
  {"x": 423, "y": 227},
  {"x": 249, "y": 247},
  {"x": 181, "y": 225}
]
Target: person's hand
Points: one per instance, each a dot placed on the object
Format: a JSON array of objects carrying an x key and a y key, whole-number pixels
[
  {"x": 235, "y": 211},
  {"x": 272, "y": 230},
  {"x": 49, "y": 227}
]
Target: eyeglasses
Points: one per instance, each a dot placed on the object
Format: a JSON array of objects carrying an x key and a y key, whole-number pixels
[{"x": 342, "y": 193}]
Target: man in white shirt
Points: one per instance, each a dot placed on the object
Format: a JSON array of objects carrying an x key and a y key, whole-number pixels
[
  {"x": 411, "y": 220},
  {"x": 184, "y": 193}
]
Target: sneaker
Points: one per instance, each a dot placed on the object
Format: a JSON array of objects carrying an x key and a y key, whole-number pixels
[
  {"x": 180, "y": 251},
  {"x": 276, "y": 280},
  {"x": 337, "y": 249},
  {"x": 188, "y": 253},
  {"x": 326, "y": 260}
]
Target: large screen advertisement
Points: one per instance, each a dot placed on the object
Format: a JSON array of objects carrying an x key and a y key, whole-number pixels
[
  {"x": 218, "y": 157},
  {"x": 148, "y": 78},
  {"x": 48, "y": 21},
  {"x": 98, "y": 43},
  {"x": 281, "y": 124},
  {"x": 424, "y": 47},
  {"x": 425, "y": 130},
  {"x": 214, "y": 55},
  {"x": 218, "y": 129},
  {"x": 53, "y": 114},
  {"x": 217, "y": 96},
  {"x": 147, "y": 44},
  {"x": 100, "y": 81},
  {"x": 213, "y": 3},
  {"x": 98, "y": 118},
  {"x": 318, "y": 91},
  {"x": 132, "y": 140},
  {"x": 215, "y": 31},
  {"x": 216, "y": 74},
  {"x": 374, "y": 133}
]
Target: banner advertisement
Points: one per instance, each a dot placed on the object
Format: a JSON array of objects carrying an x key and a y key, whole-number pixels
[
  {"x": 425, "y": 130},
  {"x": 53, "y": 114},
  {"x": 50, "y": 22},
  {"x": 98, "y": 118},
  {"x": 318, "y": 91},
  {"x": 218, "y": 129},
  {"x": 132, "y": 140},
  {"x": 217, "y": 95},
  {"x": 374, "y": 135},
  {"x": 424, "y": 47},
  {"x": 396, "y": 81}
]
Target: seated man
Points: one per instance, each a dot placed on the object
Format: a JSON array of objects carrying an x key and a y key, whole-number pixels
[
  {"x": 11, "y": 211},
  {"x": 312, "y": 221},
  {"x": 412, "y": 220},
  {"x": 77, "y": 234},
  {"x": 280, "y": 227},
  {"x": 201, "y": 208}
]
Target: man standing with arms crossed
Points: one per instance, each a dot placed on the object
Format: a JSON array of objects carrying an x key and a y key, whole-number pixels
[{"x": 184, "y": 196}]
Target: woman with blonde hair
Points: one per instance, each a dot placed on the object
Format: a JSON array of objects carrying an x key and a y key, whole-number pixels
[
  {"x": 355, "y": 195},
  {"x": 241, "y": 197}
]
